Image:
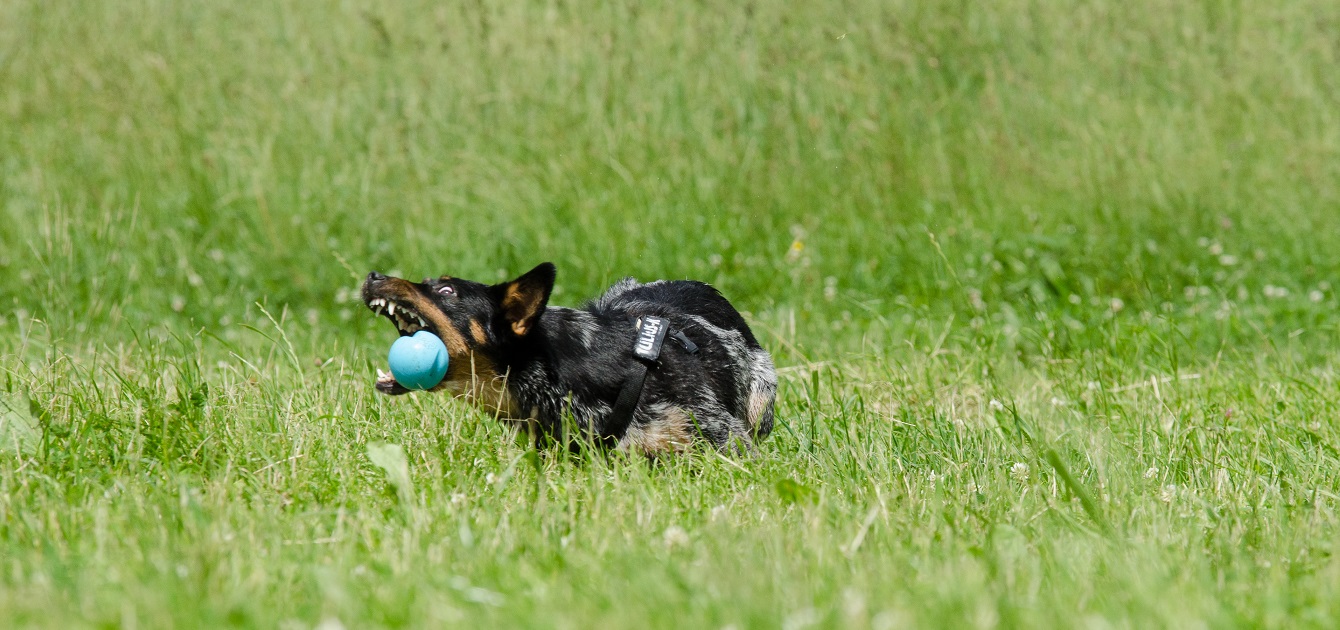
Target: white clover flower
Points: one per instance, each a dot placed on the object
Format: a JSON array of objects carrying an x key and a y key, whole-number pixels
[
  {"x": 996, "y": 405},
  {"x": 1019, "y": 471},
  {"x": 1152, "y": 472},
  {"x": 803, "y": 618},
  {"x": 1169, "y": 491},
  {"x": 675, "y": 536},
  {"x": 853, "y": 603},
  {"x": 975, "y": 300},
  {"x": 330, "y": 623},
  {"x": 1315, "y": 295}
]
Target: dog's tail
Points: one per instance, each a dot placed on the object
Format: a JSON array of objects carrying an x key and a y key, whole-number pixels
[{"x": 762, "y": 392}]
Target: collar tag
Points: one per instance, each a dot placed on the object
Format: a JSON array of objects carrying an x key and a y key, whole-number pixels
[{"x": 650, "y": 337}]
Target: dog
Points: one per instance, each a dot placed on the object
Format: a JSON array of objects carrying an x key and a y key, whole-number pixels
[{"x": 644, "y": 368}]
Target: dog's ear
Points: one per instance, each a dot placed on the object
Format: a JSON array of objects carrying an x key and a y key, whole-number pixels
[{"x": 523, "y": 300}]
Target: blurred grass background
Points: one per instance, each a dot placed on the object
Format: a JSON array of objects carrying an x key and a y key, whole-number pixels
[
  {"x": 225, "y": 155},
  {"x": 923, "y": 207}
]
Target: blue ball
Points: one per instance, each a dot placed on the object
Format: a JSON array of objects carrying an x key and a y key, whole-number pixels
[{"x": 418, "y": 361}]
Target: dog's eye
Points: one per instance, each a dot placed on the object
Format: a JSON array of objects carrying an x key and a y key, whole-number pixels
[{"x": 446, "y": 289}]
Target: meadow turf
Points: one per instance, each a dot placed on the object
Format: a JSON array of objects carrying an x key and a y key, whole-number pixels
[{"x": 1051, "y": 288}]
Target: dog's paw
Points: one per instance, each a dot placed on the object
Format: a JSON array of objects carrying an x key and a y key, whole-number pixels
[{"x": 386, "y": 384}]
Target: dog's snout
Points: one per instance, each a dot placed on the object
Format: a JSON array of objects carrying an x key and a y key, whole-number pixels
[{"x": 374, "y": 276}]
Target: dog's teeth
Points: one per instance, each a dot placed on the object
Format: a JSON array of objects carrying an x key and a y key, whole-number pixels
[
  {"x": 390, "y": 308},
  {"x": 381, "y": 375}
]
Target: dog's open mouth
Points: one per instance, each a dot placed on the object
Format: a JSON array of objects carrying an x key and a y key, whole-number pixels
[{"x": 407, "y": 321}]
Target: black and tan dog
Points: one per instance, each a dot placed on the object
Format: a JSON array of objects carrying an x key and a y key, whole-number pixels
[{"x": 542, "y": 366}]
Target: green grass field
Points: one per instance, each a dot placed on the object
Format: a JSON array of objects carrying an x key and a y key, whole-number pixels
[{"x": 1051, "y": 287}]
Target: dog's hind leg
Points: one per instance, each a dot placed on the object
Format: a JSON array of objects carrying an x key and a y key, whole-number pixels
[{"x": 762, "y": 393}]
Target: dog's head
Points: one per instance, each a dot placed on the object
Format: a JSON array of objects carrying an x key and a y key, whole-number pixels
[{"x": 476, "y": 321}]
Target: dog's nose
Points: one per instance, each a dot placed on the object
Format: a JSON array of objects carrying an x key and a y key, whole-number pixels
[{"x": 374, "y": 276}]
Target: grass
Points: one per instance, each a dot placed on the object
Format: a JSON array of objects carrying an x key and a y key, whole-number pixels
[{"x": 1050, "y": 286}]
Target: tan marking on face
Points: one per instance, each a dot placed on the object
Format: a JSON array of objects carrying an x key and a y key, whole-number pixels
[
  {"x": 454, "y": 340},
  {"x": 477, "y": 332},
  {"x": 476, "y": 380},
  {"x": 670, "y": 432}
]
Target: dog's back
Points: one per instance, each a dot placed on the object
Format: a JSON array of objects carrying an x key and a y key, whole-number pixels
[{"x": 725, "y": 389}]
